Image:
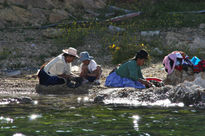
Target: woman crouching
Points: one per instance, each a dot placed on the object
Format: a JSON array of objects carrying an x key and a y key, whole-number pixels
[{"x": 129, "y": 73}]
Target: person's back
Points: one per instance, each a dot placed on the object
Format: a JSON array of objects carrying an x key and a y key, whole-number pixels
[
  {"x": 130, "y": 69},
  {"x": 58, "y": 66},
  {"x": 129, "y": 74},
  {"x": 58, "y": 70}
]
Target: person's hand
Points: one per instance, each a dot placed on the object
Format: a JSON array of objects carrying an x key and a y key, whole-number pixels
[
  {"x": 146, "y": 83},
  {"x": 149, "y": 84}
]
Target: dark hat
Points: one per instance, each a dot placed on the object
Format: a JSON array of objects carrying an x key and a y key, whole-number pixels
[{"x": 142, "y": 54}]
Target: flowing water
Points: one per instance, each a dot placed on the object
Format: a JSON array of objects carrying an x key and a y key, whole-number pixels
[{"x": 76, "y": 116}]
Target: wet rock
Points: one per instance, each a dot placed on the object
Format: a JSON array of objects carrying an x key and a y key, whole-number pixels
[
  {"x": 24, "y": 100},
  {"x": 99, "y": 98},
  {"x": 17, "y": 100},
  {"x": 187, "y": 93},
  {"x": 61, "y": 89}
]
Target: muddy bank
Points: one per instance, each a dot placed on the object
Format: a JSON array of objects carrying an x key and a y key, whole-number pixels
[
  {"x": 26, "y": 82},
  {"x": 188, "y": 93}
]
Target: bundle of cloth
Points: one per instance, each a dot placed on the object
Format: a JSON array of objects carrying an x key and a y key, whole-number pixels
[{"x": 180, "y": 61}]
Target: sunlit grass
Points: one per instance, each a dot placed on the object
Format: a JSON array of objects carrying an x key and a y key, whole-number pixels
[{"x": 156, "y": 15}]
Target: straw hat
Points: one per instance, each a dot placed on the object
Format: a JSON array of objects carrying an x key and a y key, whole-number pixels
[{"x": 71, "y": 51}]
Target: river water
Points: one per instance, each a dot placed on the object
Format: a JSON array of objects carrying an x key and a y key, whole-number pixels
[{"x": 73, "y": 115}]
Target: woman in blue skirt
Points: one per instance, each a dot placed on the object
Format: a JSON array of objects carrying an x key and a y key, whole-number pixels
[{"x": 129, "y": 73}]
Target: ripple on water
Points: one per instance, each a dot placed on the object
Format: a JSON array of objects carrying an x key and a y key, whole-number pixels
[
  {"x": 34, "y": 116},
  {"x": 19, "y": 134},
  {"x": 6, "y": 120}
]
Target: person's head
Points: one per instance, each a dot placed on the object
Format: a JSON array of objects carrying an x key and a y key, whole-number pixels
[
  {"x": 70, "y": 54},
  {"x": 85, "y": 57},
  {"x": 140, "y": 57}
]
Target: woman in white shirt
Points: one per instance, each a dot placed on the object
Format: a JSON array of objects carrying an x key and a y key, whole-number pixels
[
  {"x": 90, "y": 71},
  {"x": 58, "y": 70}
]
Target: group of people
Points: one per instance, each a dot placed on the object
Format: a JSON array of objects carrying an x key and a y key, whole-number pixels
[{"x": 58, "y": 71}]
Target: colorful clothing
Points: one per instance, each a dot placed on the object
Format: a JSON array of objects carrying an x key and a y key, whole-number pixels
[
  {"x": 114, "y": 80},
  {"x": 126, "y": 75},
  {"x": 176, "y": 60},
  {"x": 130, "y": 70}
]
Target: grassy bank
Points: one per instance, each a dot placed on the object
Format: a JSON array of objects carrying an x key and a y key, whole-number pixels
[
  {"x": 120, "y": 39},
  {"x": 125, "y": 38}
]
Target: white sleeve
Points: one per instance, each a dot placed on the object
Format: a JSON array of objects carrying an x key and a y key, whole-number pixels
[{"x": 92, "y": 66}]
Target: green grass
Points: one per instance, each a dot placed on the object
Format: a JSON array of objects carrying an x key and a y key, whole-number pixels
[{"x": 156, "y": 15}]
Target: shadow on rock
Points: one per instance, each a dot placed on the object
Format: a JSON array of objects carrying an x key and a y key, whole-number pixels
[{"x": 62, "y": 89}]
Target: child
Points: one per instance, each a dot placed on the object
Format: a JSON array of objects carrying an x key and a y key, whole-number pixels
[{"x": 90, "y": 71}]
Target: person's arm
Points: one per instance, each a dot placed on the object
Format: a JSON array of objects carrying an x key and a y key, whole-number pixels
[
  {"x": 71, "y": 75},
  {"x": 145, "y": 82},
  {"x": 94, "y": 73},
  {"x": 136, "y": 74}
]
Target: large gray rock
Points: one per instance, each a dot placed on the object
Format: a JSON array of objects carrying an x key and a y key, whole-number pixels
[
  {"x": 45, "y": 4},
  {"x": 57, "y": 16},
  {"x": 198, "y": 43},
  {"x": 38, "y": 12},
  {"x": 177, "y": 77},
  {"x": 86, "y": 4}
]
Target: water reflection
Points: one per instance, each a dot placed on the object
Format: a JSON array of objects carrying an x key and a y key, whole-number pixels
[
  {"x": 35, "y": 102},
  {"x": 34, "y": 116},
  {"x": 18, "y": 134},
  {"x": 6, "y": 120},
  {"x": 130, "y": 102},
  {"x": 62, "y": 115},
  {"x": 135, "y": 122}
]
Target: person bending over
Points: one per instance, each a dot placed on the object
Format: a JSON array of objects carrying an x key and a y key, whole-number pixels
[
  {"x": 129, "y": 73},
  {"x": 58, "y": 70}
]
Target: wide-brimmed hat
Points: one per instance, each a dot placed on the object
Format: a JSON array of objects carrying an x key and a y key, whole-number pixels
[
  {"x": 85, "y": 56},
  {"x": 142, "y": 54},
  {"x": 71, "y": 51}
]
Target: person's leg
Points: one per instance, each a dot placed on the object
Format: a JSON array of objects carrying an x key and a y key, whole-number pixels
[
  {"x": 84, "y": 71},
  {"x": 90, "y": 78},
  {"x": 55, "y": 80},
  {"x": 45, "y": 79},
  {"x": 99, "y": 72}
]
